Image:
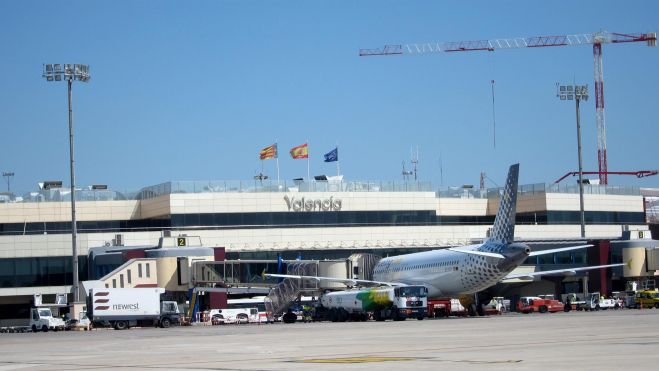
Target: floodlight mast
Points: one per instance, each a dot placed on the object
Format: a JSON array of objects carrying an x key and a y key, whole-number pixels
[
  {"x": 576, "y": 92},
  {"x": 70, "y": 73},
  {"x": 596, "y": 39},
  {"x": 8, "y": 175}
]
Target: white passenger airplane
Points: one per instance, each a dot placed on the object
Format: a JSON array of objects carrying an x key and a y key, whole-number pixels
[{"x": 459, "y": 272}]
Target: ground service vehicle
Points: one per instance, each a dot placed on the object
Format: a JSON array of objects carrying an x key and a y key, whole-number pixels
[
  {"x": 41, "y": 318},
  {"x": 397, "y": 303},
  {"x": 255, "y": 302},
  {"x": 528, "y": 304},
  {"x": 647, "y": 299},
  {"x": 82, "y": 323},
  {"x": 234, "y": 315},
  {"x": 602, "y": 303},
  {"x": 574, "y": 301},
  {"x": 438, "y": 308},
  {"x": 594, "y": 301},
  {"x": 123, "y": 308}
]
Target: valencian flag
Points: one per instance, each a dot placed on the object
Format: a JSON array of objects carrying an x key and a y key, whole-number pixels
[
  {"x": 268, "y": 152},
  {"x": 301, "y": 151},
  {"x": 332, "y": 155}
]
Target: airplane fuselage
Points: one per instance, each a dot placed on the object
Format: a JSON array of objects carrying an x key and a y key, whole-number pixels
[{"x": 449, "y": 273}]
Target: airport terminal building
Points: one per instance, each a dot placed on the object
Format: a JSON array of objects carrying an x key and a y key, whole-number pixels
[{"x": 308, "y": 220}]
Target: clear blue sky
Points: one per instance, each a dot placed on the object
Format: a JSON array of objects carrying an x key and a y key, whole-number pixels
[{"x": 192, "y": 90}]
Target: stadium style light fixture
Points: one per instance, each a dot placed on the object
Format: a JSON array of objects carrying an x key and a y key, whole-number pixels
[
  {"x": 576, "y": 93},
  {"x": 70, "y": 73},
  {"x": 8, "y": 175}
]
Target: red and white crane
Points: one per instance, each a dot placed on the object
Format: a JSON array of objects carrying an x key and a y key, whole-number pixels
[{"x": 596, "y": 39}]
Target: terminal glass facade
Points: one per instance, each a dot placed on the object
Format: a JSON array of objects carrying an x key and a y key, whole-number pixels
[
  {"x": 315, "y": 219},
  {"x": 40, "y": 271}
]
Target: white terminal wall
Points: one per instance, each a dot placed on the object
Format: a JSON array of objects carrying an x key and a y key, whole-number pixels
[
  {"x": 12, "y": 246},
  {"x": 275, "y": 202},
  {"x": 30, "y": 212}
]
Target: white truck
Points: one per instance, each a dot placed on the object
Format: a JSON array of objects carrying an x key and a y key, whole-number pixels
[
  {"x": 396, "y": 303},
  {"x": 42, "y": 319},
  {"x": 124, "y": 308}
]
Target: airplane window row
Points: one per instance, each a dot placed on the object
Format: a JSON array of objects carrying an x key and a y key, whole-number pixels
[{"x": 419, "y": 266}]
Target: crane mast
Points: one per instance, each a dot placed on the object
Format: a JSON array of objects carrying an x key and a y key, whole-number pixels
[
  {"x": 599, "y": 114},
  {"x": 596, "y": 39}
]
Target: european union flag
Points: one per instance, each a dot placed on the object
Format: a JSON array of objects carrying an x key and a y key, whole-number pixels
[{"x": 332, "y": 155}]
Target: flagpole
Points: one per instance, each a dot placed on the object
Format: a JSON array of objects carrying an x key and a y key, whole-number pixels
[
  {"x": 277, "y": 158},
  {"x": 308, "y": 164},
  {"x": 338, "y": 169}
]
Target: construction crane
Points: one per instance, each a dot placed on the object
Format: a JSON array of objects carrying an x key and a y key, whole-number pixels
[
  {"x": 638, "y": 174},
  {"x": 596, "y": 39}
]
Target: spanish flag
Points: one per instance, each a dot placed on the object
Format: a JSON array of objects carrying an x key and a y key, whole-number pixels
[
  {"x": 268, "y": 152},
  {"x": 301, "y": 151}
]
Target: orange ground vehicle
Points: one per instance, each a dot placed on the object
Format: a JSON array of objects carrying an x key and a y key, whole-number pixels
[{"x": 530, "y": 304}]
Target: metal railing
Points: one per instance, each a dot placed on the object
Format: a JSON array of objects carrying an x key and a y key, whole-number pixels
[
  {"x": 540, "y": 188},
  {"x": 281, "y": 186},
  {"x": 211, "y": 186},
  {"x": 289, "y": 289}
]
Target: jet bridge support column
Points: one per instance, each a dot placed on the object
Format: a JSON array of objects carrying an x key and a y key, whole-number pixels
[
  {"x": 218, "y": 299},
  {"x": 599, "y": 255},
  {"x": 604, "y": 248}
]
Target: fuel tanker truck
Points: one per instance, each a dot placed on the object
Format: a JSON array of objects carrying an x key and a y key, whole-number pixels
[{"x": 396, "y": 303}]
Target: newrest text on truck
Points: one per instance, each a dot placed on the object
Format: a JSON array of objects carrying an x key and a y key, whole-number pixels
[
  {"x": 124, "y": 308},
  {"x": 397, "y": 303}
]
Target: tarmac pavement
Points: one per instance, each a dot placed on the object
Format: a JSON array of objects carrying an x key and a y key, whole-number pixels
[{"x": 604, "y": 340}]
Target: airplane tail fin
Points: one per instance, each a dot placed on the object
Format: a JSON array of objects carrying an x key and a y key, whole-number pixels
[{"x": 503, "y": 230}]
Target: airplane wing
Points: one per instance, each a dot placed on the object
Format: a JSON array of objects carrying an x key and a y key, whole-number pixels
[
  {"x": 476, "y": 252},
  {"x": 533, "y": 253},
  {"x": 346, "y": 281},
  {"x": 531, "y": 275},
  {"x": 560, "y": 249}
]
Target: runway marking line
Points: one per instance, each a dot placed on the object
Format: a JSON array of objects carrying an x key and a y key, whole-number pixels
[
  {"x": 373, "y": 359},
  {"x": 357, "y": 360}
]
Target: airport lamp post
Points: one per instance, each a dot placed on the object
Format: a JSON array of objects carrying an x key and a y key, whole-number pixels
[
  {"x": 69, "y": 73},
  {"x": 576, "y": 92},
  {"x": 8, "y": 175}
]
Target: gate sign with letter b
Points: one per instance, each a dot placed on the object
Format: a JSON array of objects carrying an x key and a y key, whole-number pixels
[{"x": 180, "y": 241}]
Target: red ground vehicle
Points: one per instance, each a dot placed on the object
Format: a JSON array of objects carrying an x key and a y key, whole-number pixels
[
  {"x": 444, "y": 307},
  {"x": 438, "y": 308},
  {"x": 530, "y": 304}
]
